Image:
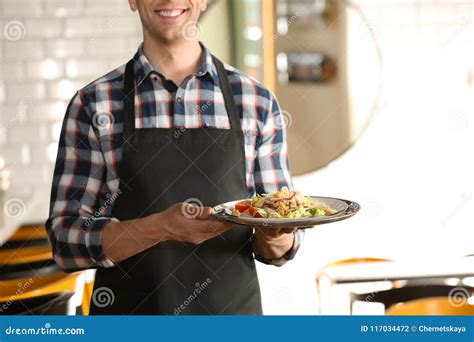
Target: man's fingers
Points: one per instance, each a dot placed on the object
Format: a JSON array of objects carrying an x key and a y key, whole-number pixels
[
  {"x": 211, "y": 225},
  {"x": 220, "y": 226},
  {"x": 274, "y": 233},
  {"x": 269, "y": 232},
  {"x": 214, "y": 229},
  {"x": 288, "y": 230},
  {"x": 205, "y": 212}
]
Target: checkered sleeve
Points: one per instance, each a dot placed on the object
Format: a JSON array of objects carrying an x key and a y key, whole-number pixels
[
  {"x": 271, "y": 166},
  {"x": 74, "y": 226}
]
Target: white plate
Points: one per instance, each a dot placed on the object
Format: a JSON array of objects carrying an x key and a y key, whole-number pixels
[{"x": 344, "y": 209}]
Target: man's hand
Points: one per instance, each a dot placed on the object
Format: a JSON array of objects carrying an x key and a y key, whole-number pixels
[
  {"x": 180, "y": 222},
  {"x": 188, "y": 223},
  {"x": 273, "y": 243}
]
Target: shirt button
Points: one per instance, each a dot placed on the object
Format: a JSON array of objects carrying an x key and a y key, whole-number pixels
[
  {"x": 155, "y": 78},
  {"x": 179, "y": 99}
]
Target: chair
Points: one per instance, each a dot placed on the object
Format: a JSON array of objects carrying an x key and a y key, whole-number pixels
[
  {"x": 416, "y": 297},
  {"x": 88, "y": 291},
  {"x": 52, "y": 304},
  {"x": 430, "y": 306},
  {"x": 28, "y": 271},
  {"x": 27, "y": 254},
  {"x": 24, "y": 255},
  {"x": 27, "y": 288},
  {"x": 27, "y": 236},
  {"x": 340, "y": 263},
  {"x": 354, "y": 261},
  {"x": 27, "y": 244}
]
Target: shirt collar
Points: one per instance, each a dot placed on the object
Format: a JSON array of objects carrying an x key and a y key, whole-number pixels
[{"x": 143, "y": 67}]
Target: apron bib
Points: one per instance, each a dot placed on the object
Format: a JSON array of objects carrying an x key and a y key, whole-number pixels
[{"x": 158, "y": 169}]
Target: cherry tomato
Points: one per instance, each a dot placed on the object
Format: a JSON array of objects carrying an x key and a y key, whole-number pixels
[
  {"x": 253, "y": 212},
  {"x": 241, "y": 207}
]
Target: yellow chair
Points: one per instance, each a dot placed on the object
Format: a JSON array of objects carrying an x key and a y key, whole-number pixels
[
  {"x": 430, "y": 306},
  {"x": 27, "y": 244},
  {"x": 17, "y": 289},
  {"x": 342, "y": 262},
  {"x": 24, "y": 255},
  {"x": 29, "y": 233},
  {"x": 52, "y": 304},
  {"x": 34, "y": 258},
  {"x": 88, "y": 291},
  {"x": 354, "y": 261},
  {"x": 48, "y": 286}
]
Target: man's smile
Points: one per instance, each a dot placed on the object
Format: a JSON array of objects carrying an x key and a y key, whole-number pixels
[{"x": 171, "y": 14}]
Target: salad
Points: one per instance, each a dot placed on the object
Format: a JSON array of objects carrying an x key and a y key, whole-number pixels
[{"x": 282, "y": 204}]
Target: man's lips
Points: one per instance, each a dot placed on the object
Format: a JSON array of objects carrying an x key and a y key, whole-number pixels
[{"x": 170, "y": 13}]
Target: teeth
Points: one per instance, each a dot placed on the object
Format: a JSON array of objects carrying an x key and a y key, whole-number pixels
[{"x": 172, "y": 13}]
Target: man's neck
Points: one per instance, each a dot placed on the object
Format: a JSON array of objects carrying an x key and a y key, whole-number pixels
[{"x": 175, "y": 61}]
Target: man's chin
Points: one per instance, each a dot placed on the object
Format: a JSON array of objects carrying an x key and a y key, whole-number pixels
[{"x": 169, "y": 38}]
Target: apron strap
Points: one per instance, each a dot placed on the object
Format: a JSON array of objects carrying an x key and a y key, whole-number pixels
[
  {"x": 228, "y": 95},
  {"x": 129, "y": 98}
]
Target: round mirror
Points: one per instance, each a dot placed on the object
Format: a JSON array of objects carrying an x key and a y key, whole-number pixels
[{"x": 329, "y": 79}]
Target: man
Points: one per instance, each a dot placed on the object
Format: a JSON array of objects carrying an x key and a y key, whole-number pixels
[{"x": 140, "y": 147}]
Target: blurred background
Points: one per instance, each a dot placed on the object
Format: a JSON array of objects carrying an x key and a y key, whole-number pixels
[{"x": 378, "y": 101}]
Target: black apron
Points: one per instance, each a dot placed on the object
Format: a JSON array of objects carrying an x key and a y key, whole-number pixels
[{"x": 163, "y": 166}]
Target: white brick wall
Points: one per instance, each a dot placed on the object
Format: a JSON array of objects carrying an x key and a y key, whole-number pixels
[{"x": 48, "y": 50}]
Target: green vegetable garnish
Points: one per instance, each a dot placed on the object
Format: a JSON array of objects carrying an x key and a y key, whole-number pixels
[
  {"x": 317, "y": 211},
  {"x": 293, "y": 214}
]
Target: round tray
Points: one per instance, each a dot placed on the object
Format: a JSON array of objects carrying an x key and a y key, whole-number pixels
[{"x": 345, "y": 209}]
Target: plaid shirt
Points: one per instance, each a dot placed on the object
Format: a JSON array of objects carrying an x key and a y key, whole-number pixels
[{"x": 85, "y": 177}]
